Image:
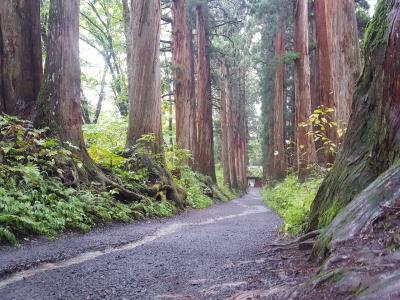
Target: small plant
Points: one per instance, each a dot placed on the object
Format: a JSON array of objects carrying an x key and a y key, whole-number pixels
[
  {"x": 327, "y": 217},
  {"x": 292, "y": 200},
  {"x": 321, "y": 123}
]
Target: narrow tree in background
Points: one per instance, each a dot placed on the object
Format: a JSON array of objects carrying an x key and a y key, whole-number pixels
[
  {"x": 184, "y": 83},
  {"x": 144, "y": 73},
  {"x": 372, "y": 142},
  {"x": 339, "y": 60},
  {"x": 279, "y": 168},
  {"x": 204, "y": 160},
  {"x": 242, "y": 128},
  {"x": 305, "y": 146},
  {"x": 20, "y": 57}
]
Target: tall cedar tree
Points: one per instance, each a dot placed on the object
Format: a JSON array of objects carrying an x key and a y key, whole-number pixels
[
  {"x": 59, "y": 105},
  {"x": 144, "y": 73},
  {"x": 372, "y": 142},
  {"x": 225, "y": 96},
  {"x": 20, "y": 57},
  {"x": 184, "y": 82},
  {"x": 279, "y": 168},
  {"x": 204, "y": 160},
  {"x": 339, "y": 60},
  {"x": 228, "y": 127},
  {"x": 305, "y": 146},
  {"x": 242, "y": 130}
]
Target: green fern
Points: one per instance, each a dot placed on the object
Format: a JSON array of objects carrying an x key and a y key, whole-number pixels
[{"x": 8, "y": 236}]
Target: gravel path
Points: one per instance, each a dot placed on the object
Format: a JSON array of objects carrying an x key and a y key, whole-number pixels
[{"x": 200, "y": 254}]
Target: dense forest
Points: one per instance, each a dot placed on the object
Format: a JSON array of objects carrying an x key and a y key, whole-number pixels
[{"x": 123, "y": 110}]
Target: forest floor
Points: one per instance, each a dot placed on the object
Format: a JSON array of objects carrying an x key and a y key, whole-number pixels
[
  {"x": 223, "y": 252},
  {"x": 201, "y": 254}
]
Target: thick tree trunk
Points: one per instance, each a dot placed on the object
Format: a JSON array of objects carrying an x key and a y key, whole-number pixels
[
  {"x": 59, "y": 105},
  {"x": 204, "y": 161},
  {"x": 144, "y": 73},
  {"x": 231, "y": 133},
  {"x": 372, "y": 142},
  {"x": 184, "y": 83},
  {"x": 20, "y": 57},
  {"x": 225, "y": 94},
  {"x": 305, "y": 146},
  {"x": 339, "y": 59},
  {"x": 279, "y": 168}
]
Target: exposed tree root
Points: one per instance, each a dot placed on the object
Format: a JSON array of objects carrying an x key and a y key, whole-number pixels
[
  {"x": 90, "y": 171},
  {"x": 303, "y": 238}
]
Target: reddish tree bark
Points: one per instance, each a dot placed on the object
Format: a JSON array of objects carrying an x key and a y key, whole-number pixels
[
  {"x": 225, "y": 94},
  {"x": 59, "y": 105},
  {"x": 372, "y": 142},
  {"x": 144, "y": 73},
  {"x": 305, "y": 146},
  {"x": 339, "y": 60},
  {"x": 20, "y": 57},
  {"x": 279, "y": 168},
  {"x": 242, "y": 126},
  {"x": 184, "y": 83},
  {"x": 204, "y": 160}
]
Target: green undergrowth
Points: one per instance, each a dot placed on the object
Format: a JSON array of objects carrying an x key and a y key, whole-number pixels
[
  {"x": 38, "y": 192},
  {"x": 105, "y": 147},
  {"x": 292, "y": 200},
  {"x": 224, "y": 192}
]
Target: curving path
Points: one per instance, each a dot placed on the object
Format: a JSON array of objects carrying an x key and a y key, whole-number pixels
[{"x": 200, "y": 254}]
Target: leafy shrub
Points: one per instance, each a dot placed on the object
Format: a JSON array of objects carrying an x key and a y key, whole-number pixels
[{"x": 292, "y": 200}]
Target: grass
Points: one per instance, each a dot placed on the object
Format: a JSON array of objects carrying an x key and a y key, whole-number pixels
[{"x": 292, "y": 200}]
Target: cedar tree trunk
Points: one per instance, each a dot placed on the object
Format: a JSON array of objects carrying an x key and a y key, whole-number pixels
[
  {"x": 279, "y": 168},
  {"x": 144, "y": 73},
  {"x": 20, "y": 57},
  {"x": 305, "y": 146},
  {"x": 204, "y": 161},
  {"x": 184, "y": 84},
  {"x": 339, "y": 60},
  {"x": 372, "y": 142}
]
